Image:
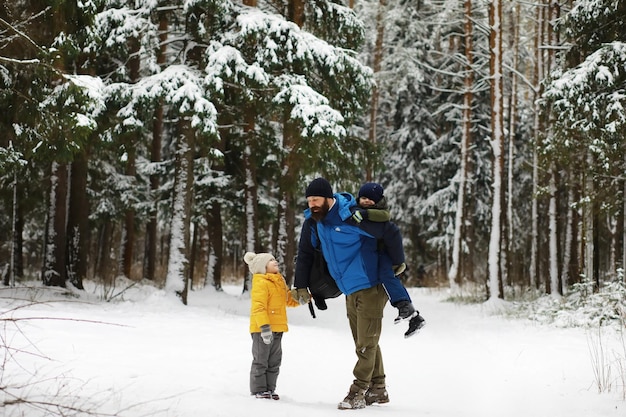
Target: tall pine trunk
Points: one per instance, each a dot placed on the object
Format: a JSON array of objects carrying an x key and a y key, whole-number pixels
[
  {"x": 288, "y": 183},
  {"x": 497, "y": 139},
  {"x": 377, "y": 64},
  {"x": 54, "y": 272},
  {"x": 178, "y": 261},
  {"x": 151, "y": 228},
  {"x": 537, "y": 129},
  {"x": 553, "y": 287},
  {"x": 155, "y": 156},
  {"x": 624, "y": 228},
  {"x": 16, "y": 268},
  {"x": 215, "y": 250},
  {"x": 250, "y": 190},
  {"x": 509, "y": 224},
  {"x": 287, "y": 233},
  {"x": 77, "y": 221},
  {"x": 288, "y": 186},
  {"x": 454, "y": 276},
  {"x": 569, "y": 238},
  {"x": 587, "y": 241},
  {"x": 103, "y": 261},
  {"x": 128, "y": 231}
]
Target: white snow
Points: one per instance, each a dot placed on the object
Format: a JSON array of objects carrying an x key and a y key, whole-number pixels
[{"x": 146, "y": 354}]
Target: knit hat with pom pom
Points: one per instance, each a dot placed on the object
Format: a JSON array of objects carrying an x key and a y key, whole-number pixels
[{"x": 257, "y": 262}]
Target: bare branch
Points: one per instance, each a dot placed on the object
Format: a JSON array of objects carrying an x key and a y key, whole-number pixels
[
  {"x": 19, "y": 61},
  {"x": 22, "y": 34}
]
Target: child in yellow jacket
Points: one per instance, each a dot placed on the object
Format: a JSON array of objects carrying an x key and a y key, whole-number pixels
[{"x": 270, "y": 297}]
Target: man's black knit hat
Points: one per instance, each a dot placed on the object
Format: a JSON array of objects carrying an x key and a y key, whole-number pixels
[{"x": 319, "y": 187}]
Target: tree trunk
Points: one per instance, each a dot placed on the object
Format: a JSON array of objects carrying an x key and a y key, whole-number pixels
[
  {"x": 515, "y": 24},
  {"x": 155, "y": 156},
  {"x": 178, "y": 260},
  {"x": 469, "y": 231},
  {"x": 54, "y": 272},
  {"x": 497, "y": 138},
  {"x": 54, "y": 267},
  {"x": 378, "y": 59},
  {"x": 78, "y": 221},
  {"x": 553, "y": 287},
  {"x": 103, "y": 269},
  {"x": 128, "y": 232},
  {"x": 588, "y": 225},
  {"x": 611, "y": 225},
  {"x": 296, "y": 11},
  {"x": 454, "y": 277},
  {"x": 287, "y": 233},
  {"x": 575, "y": 267},
  {"x": 286, "y": 244},
  {"x": 193, "y": 254},
  {"x": 596, "y": 248},
  {"x": 288, "y": 189},
  {"x": 215, "y": 258},
  {"x": 567, "y": 246},
  {"x": 251, "y": 241},
  {"x": 151, "y": 229},
  {"x": 16, "y": 267},
  {"x": 537, "y": 128},
  {"x": 624, "y": 230}
]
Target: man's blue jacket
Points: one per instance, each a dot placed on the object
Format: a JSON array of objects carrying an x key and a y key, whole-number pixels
[{"x": 352, "y": 252}]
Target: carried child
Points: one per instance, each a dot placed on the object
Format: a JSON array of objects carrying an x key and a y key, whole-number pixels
[
  {"x": 372, "y": 205},
  {"x": 269, "y": 298}
]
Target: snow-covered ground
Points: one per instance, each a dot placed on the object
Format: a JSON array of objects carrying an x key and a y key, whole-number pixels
[{"x": 145, "y": 353}]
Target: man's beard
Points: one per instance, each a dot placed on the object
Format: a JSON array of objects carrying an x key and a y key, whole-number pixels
[{"x": 318, "y": 213}]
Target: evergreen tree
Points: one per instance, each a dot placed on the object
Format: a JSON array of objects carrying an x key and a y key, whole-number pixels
[
  {"x": 584, "y": 103},
  {"x": 426, "y": 140}
]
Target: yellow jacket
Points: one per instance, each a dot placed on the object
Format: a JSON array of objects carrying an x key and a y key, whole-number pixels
[{"x": 269, "y": 298}]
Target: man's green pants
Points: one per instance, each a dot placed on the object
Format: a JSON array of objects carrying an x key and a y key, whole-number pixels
[{"x": 365, "y": 314}]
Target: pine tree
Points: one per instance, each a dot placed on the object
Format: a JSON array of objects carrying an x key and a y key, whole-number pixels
[
  {"x": 584, "y": 104},
  {"x": 432, "y": 63}
]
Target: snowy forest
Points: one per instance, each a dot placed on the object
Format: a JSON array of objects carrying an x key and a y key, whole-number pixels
[{"x": 161, "y": 139}]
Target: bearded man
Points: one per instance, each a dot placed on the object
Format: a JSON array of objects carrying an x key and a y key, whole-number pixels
[{"x": 353, "y": 257}]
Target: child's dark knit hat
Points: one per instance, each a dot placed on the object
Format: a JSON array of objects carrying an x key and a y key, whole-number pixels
[
  {"x": 372, "y": 191},
  {"x": 319, "y": 187}
]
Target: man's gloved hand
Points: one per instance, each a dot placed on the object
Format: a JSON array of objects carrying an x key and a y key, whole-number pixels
[
  {"x": 266, "y": 334},
  {"x": 398, "y": 269},
  {"x": 359, "y": 215},
  {"x": 301, "y": 295}
]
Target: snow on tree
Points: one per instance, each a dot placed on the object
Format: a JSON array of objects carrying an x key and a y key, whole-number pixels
[
  {"x": 426, "y": 77},
  {"x": 584, "y": 100}
]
